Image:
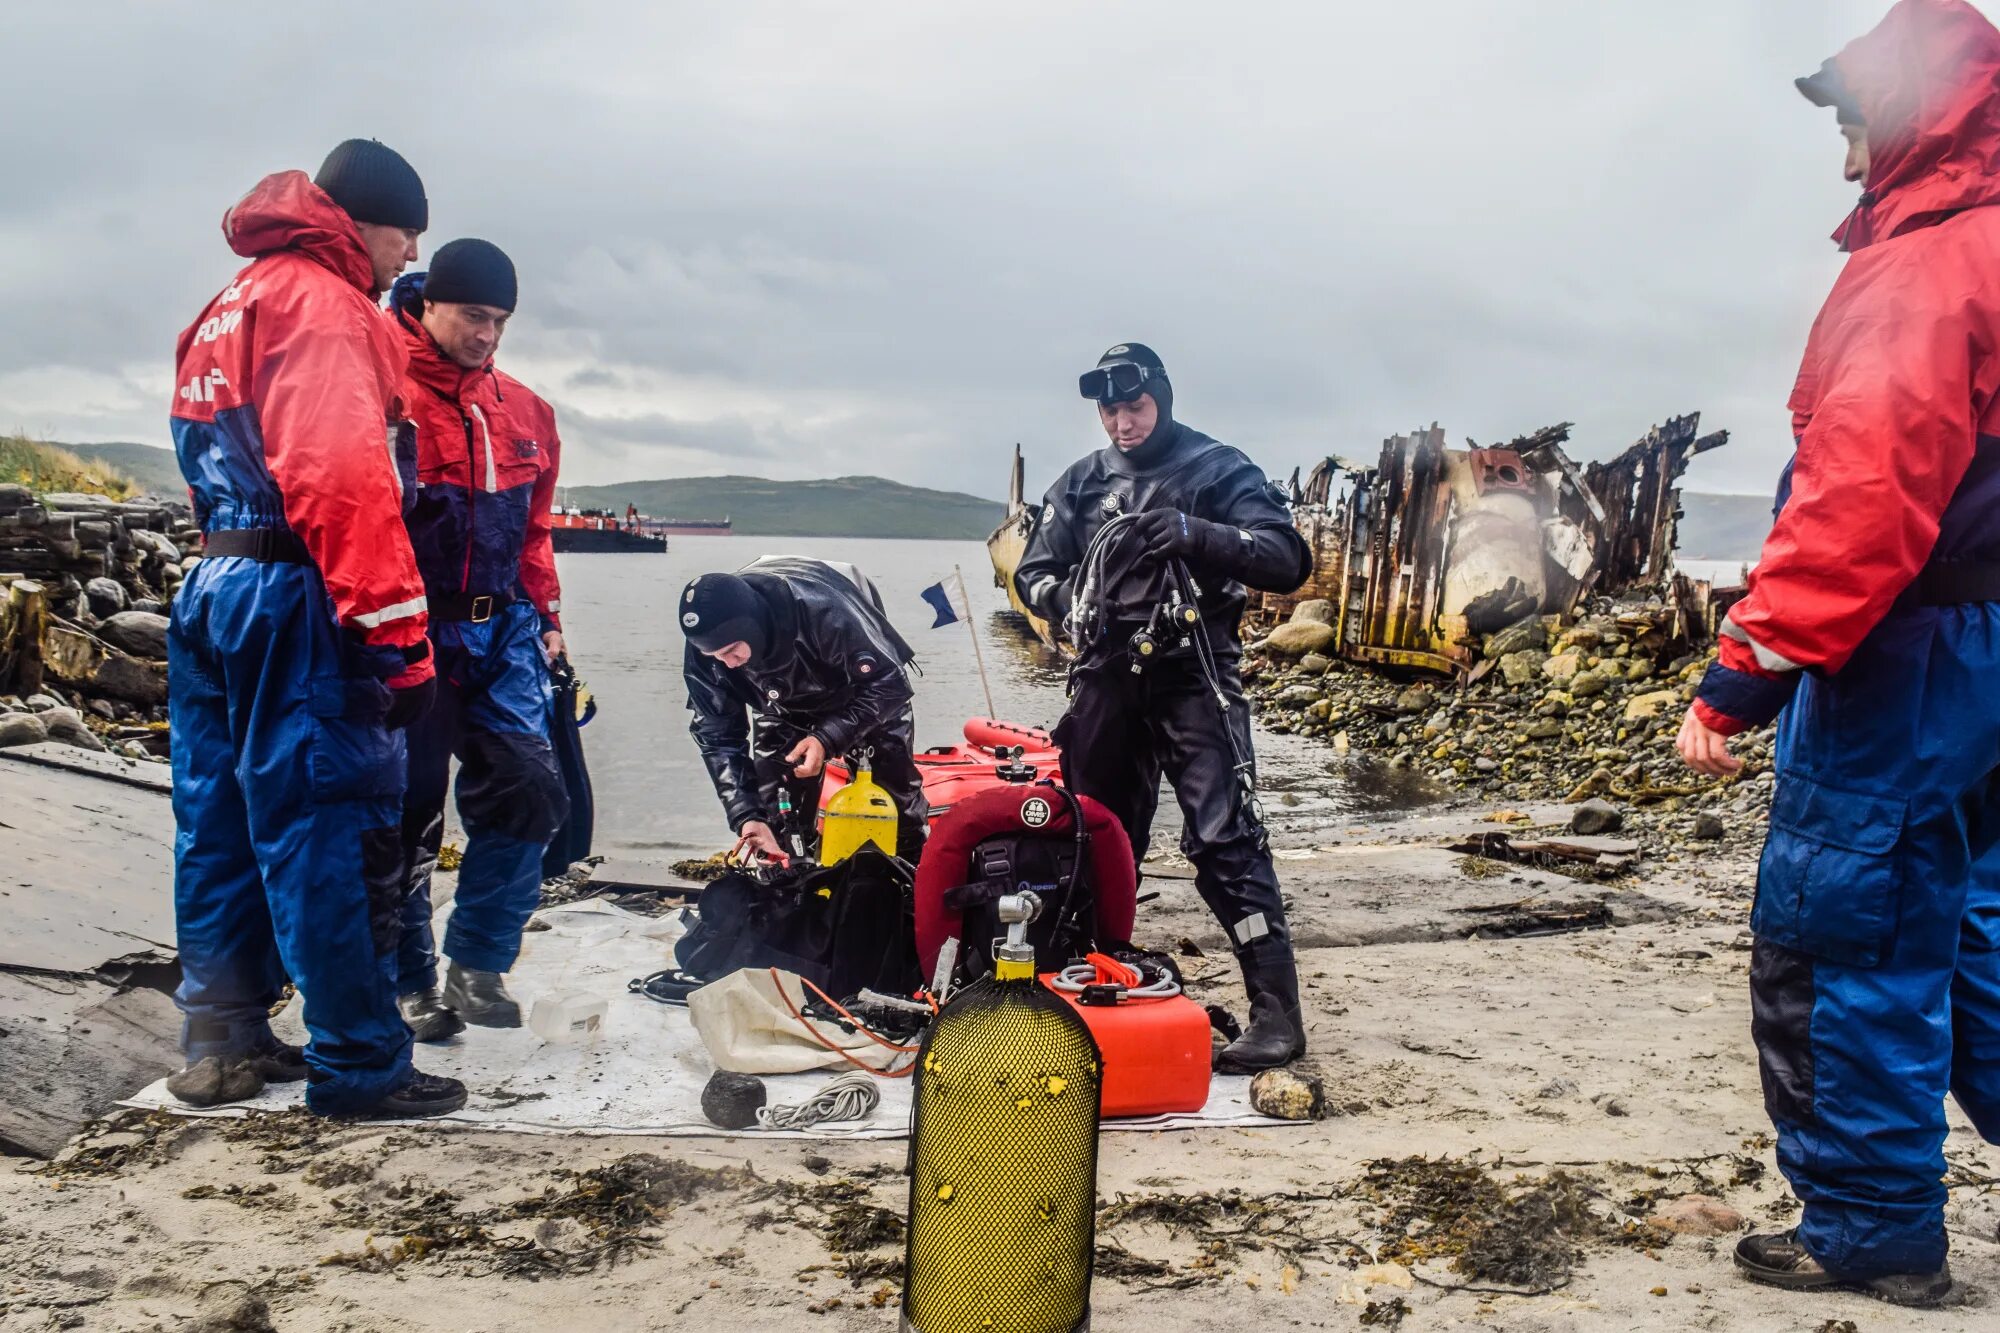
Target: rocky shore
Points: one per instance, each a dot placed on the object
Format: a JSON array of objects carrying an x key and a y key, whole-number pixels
[
  {"x": 85, "y": 582},
  {"x": 1583, "y": 712}
]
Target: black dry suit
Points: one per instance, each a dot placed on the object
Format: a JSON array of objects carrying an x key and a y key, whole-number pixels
[
  {"x": 1123, "y": 728},
  {"x": 831, "y": 666}
]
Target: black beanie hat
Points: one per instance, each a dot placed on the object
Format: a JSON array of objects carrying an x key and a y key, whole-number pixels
[
  {"x": 471, "y": 272},
  {"x": 720, "y": 609},
  {"x": 372, "y": 183},
  {"x": 1157, "y": 384}
]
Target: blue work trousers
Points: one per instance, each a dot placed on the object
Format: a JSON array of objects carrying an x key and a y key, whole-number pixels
[
  {"x": 287, "y": 859},
  {"x": 492, "y": 711},
  {"x": 1875, "y": 978}
]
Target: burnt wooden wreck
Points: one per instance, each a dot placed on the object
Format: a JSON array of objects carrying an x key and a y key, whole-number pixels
[{"x": 1434, "y": 547}]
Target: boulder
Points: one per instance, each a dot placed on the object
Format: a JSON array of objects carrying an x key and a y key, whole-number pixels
[
  {"x": 105, "y": 596},
  {"x": 1645, "y": 707},
  {"x": 22, "y": 729},
  {"x": 1290, "y": 1093},
  {"x": 1586, "y": 684},
  {"x": 1697, "y": 1215},
  {"x": 732, "y": 1100},
  {"x": 140, "y": 633},
  {"x": 1316, "y": 611},
  {"x": 1301, "y": 637},
  {"x": 42, "y": 703},
  {"x": 1416, "y": 699},
  {"x": 150, "y": 606},
  {"x": 1562, "y": 667},
  {"x": 1299, "y": 695},
  {"x": 1314, "y": 664},
  {"x": 156, "y": 544},
  {"x": 1596, "y": 816},
  {"x": 1518, "y": 637},
  {"x": 1708, "y": 826},
  {"x": 1523, "y": 667},
  {"x": 66, "y": 727},
  {"x": 1597, "y": 784}
]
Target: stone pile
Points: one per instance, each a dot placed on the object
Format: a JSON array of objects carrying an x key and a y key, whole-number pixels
[
  {"x": 85, "y": 582},
  {"x": 1582, "y": 712}
]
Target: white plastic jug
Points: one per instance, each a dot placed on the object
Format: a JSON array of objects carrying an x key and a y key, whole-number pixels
[{"x": 576, "y": 1016}]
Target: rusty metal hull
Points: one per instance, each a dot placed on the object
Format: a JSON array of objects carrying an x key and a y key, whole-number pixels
[{"x": 1433, "y": 547}]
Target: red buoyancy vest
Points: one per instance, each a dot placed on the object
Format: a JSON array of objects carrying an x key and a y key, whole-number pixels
[{"x": 947, "y": 859}]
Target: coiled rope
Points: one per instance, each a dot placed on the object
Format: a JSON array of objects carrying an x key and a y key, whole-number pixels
[{"x": 849, "y": 1097}]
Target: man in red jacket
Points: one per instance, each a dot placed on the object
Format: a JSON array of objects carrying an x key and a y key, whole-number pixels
[
  {"x": 487, "y": 455},
  {"x": 1873, "y": 624},
  {"x": 296, "y": 650}
]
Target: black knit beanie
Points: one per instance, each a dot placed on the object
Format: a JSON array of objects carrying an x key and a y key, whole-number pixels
[
  {"x": 372, "y": 183},
  {"x": 471, "y": 272},
  {"x": 720, "y": 609}
]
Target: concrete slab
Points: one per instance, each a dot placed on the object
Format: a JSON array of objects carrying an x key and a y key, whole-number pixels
[{"x": 86, "y": 864}]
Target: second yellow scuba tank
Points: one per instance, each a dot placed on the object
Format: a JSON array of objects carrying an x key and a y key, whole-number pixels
[
  {"x": 859, "y": 813},
  {"x": 1003, "y": 1155}
]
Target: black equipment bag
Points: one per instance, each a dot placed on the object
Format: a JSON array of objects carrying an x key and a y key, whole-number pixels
[
  {"x": 843, "y": 928},
  {"x": 1053, "y": 866},
  {"x": 571, "y": 842}
]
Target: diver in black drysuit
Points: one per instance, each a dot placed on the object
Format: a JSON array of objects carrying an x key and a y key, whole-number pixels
[
  {"x": 1211, "y": 507},
  {"x": 823, "y": 664}
]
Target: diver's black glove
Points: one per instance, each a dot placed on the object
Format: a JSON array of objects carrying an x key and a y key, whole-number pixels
[
  {"x": 407, "y": 703},
  {"x": 1166, "y": 531}
]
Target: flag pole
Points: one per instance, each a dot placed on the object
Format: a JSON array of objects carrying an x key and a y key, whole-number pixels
[{"x": 977, "y": 655}]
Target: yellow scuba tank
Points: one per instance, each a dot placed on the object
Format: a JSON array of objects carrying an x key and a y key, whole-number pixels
[
  {"x": 1003, "y": 1155},
  {"x": 856, "y": 815}
]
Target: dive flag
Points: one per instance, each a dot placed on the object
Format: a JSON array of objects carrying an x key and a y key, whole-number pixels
[{"x": 940, "y": 603}]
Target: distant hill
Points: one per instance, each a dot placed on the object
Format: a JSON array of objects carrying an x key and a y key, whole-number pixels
[
  {"x": 43, "y": 468},
  {"x": 153, "y": 469},
  {"x": 1722, "y": 527},
  {"x": 835, "y": 507}
]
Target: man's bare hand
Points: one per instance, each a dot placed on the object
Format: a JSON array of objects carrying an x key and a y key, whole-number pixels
[
  {"x": 756, "y": 839},
  {"x": 553, "y": 645},
  {"x": 1704, "y": 749},
  {"x": 807, "y": 758}
]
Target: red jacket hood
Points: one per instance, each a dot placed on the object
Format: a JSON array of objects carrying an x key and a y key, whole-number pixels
[
  {"x": 286, "y": 211},
  {"x": 1927, "y": 82}
]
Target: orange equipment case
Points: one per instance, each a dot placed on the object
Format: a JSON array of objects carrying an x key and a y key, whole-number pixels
[{"x": 1156, "y": 1052}]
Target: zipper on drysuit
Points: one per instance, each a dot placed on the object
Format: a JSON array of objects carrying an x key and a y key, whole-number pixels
[{"x": 467, "y": 416}]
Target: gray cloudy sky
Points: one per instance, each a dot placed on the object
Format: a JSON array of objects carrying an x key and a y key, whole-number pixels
[{"x": 807, "y": 239}]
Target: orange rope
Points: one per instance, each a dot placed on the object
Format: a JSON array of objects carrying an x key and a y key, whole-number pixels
[{"x": 814, "y": 1033}]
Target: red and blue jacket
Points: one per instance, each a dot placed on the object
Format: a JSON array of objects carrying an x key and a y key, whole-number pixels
[
  {"x": 487, "y": 455},
  {"x": 1896, "y": 410},
  {"x": 286, "y": 413}
]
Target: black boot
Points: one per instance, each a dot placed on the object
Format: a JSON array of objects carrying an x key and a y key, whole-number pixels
[
  {"x": 214, "y": 1080},
  {"x": 424, "y": 1095},
  {"x": 1777, "y": 1259},
  {"x": 1277, "y": 1032},
  {"x": 481, "y": 998},
  {"x": 429, "y": 1017},
  {"x": 278, "y": 1062}
]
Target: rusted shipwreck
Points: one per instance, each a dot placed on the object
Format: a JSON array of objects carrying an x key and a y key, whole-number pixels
[{"x": 1434, "y": 546}]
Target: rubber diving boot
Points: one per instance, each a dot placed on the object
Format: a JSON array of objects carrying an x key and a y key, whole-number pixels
[
  {"x": 1777, "y": 1259},
  {"x": 1277, "y": 1033},
  {"x": 481, "y": 998},
  {"x": 278, "y": 1062},
  {"x": 424, "y": 1095},
  {"x": 429, "y": 1017},
  {"x": 212, "y": 1081}
]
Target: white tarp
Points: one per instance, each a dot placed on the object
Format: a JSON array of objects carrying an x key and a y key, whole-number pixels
[{"x": 643, "y": 1072}]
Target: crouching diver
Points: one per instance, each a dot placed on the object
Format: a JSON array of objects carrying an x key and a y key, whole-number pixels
[
  {"x": 1143, "y": 551},
  {"x": 803, "y": 648}
]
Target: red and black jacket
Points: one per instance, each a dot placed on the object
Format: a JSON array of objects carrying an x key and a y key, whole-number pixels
[{"x": 487, "y": 455}]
